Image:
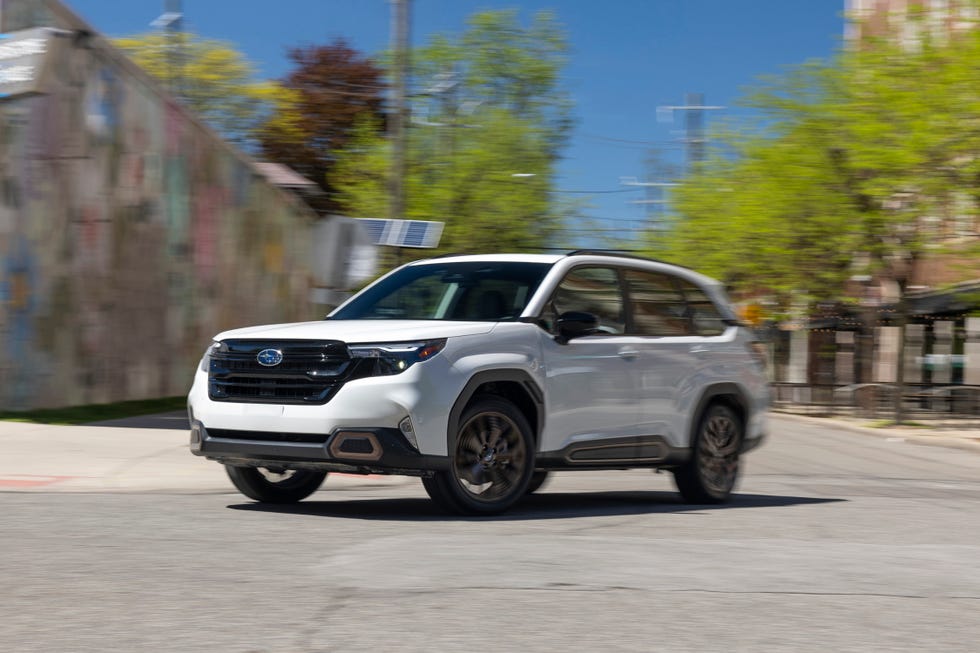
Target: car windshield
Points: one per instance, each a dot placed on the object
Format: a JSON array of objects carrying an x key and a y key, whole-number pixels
[{"x": 465, "y": 291}]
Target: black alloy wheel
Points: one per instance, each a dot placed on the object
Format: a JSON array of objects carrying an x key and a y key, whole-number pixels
[
  {"x": 491, "y": 461},
  {"x": 712, "y": 471}
]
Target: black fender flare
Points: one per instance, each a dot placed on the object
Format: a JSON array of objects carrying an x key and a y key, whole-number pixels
[
  {"x": 726, "y": 389},
  {"x": 495, "y": 376}
]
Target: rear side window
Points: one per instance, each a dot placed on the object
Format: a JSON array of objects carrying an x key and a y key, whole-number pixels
[
  {"x": 705, "y": 317},
  {"x": 657, "y": 304}
]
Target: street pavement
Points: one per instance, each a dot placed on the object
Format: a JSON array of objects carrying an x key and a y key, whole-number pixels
[
  {"x": 115, "y": 538},
  {"x": 150, "y": 454}
]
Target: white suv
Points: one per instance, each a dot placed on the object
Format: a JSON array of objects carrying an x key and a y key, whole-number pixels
[{"x": 481, "y": 374}]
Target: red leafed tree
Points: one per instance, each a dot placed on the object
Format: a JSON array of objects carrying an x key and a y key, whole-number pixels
[{"x": 332, "y": 90}]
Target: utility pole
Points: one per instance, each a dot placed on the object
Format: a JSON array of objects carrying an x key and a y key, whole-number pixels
[
  {"x": 172, "y": 21},
  {"x": 694, "y": 109},
  {"x": 399, "y": 110},
  {"x": 655, "y": 196}
]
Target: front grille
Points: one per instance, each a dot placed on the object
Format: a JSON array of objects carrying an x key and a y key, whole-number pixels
[{"x": 310, "y": 371}]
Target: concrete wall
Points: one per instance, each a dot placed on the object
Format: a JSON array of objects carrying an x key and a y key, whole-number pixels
[{"x": 129, "y": 235}]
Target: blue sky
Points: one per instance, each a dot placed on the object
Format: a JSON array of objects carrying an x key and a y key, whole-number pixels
[{"x": 628, "y": 57}]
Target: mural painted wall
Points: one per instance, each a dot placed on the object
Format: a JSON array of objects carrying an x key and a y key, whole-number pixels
[{"x": 129, "y": 235}]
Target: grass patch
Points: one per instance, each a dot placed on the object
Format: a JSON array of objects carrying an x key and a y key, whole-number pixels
[{"x": 74, "y": 415}]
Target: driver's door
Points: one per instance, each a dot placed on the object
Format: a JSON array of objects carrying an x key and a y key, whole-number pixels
[{"x": 591, "y": 381}]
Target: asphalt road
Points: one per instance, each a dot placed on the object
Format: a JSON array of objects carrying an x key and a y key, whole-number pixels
[{"x": 836, "y": 542}]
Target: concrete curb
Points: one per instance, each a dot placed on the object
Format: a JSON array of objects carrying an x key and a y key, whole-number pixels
[{"x": 966, "y": 439}]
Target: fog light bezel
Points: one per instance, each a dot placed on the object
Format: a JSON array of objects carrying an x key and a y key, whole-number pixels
[
  {"x": 338, "y": 439},
  {"x": 407, "y": 429}
]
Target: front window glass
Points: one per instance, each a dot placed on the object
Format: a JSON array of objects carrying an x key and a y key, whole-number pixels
[
  {"x": 591, "y": 290},
  {"x": 465, "y": 291}
]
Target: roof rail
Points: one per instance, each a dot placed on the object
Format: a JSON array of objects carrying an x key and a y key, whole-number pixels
[{"x": 625, "y": 253}]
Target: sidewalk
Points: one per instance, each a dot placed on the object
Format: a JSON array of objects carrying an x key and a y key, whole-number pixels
[
  {"x": 105, "y": 458},
  {"x": 49, "y": 458},
  {"x": 954, "y": 433}
]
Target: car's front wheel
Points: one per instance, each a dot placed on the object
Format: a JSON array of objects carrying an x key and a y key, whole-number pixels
[
  {"x": 538, "y": 479},
  {"x": 288, "y": 486},
  {"x": 710, "y": 474},
  {"x": 491, "y": 461}
]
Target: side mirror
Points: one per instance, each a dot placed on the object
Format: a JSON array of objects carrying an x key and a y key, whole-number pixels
[{"x": 575, "y": 324}]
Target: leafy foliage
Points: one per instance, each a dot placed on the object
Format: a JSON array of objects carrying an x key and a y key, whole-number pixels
[
  {"x": 212, "y": 79},
  {"x": 332, "y": 91},
  {"x": 857, "y": 166},
  {"x": 489, "y": 121}
]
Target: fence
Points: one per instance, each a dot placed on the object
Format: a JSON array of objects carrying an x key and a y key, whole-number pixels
[{"x": 877, "y": 400}]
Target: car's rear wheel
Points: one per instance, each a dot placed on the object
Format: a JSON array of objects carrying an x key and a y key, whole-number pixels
[
  {"x": 269, "y": 486},
  {"x": 709, "y": 476},
  {"x": 491, "y": 461}
]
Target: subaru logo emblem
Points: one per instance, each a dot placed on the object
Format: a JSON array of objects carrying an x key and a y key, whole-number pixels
[{"x": 269, "y": 357}]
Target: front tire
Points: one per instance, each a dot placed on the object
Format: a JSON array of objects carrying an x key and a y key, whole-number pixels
[
  {"x": 712, "y": 471},
  {"x": 538, "y": 479},
  {"x": 491, "y": 461},
  {"x": 261, "y": 484}
]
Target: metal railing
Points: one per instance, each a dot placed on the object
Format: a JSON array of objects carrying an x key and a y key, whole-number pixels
[{"x": 877, "y": 400}]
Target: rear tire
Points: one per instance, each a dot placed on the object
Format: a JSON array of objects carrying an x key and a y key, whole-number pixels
[
  {"x": 712, "y": 471},
  {"x": 491, "y": 461},
  {"x": 260, "y": 484}
]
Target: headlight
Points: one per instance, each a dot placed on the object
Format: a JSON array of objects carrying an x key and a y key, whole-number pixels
[
  {"x": 394, "y": 357},
  {"x": 205, "y": 363}
]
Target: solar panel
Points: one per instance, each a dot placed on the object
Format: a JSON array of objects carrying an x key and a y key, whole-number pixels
[
  {"x": 376, "y": 228},
  {"x": 404, "y": 233}
]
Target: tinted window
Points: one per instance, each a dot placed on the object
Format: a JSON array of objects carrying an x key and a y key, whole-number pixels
[
  {"x": 704, "y": 314},
  {"x": 657, "y": 305},
  {"x": 592, "y": 290},
  {"x": 493, "y": 291}
]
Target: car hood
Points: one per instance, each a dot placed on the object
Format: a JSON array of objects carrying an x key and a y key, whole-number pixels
[{"x": 361, "y": 331}]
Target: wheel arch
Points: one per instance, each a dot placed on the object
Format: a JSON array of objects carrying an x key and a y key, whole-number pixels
[
  {"x": 517, "y": 386},
  {"x": 728, "y": 394}
]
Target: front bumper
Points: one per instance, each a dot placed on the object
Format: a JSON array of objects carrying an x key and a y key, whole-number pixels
[
  {"x": 356, "y": 451},
  {"x": 350, "y": 450}
]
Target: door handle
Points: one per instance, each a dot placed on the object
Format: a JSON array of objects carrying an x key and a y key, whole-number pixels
[{"x": 628, "y": 354}]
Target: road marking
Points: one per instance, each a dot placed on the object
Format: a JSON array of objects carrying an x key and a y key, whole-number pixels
[{"x": 31, "y": 480}]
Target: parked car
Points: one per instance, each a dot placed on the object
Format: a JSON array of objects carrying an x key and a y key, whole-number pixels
[{"x": 482, "y": 374}]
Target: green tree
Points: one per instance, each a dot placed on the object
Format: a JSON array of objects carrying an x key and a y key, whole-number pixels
[
  {"x": 211, "y": 78},
  {"x": 859, "y": 166},
  {"x": 856, "y": 167},
  {"x": 489, "y": 120},
  {"x": 331, "y": 90}
]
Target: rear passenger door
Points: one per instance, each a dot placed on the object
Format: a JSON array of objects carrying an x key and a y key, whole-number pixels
[{"x": 667, "y": 343}]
